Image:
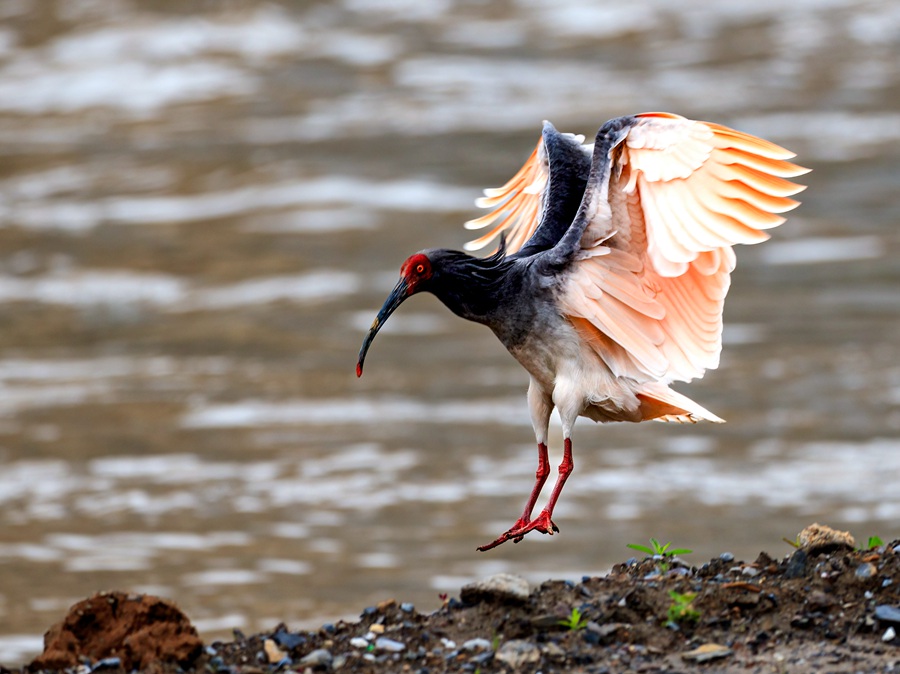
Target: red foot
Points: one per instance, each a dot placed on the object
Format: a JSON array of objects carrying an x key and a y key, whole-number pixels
[{"x": 517, "y": 532}]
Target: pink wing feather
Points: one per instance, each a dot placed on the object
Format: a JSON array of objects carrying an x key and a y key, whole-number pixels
[{"x": 656, "y": 255}]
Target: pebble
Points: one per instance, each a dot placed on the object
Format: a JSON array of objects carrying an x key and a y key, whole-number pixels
[
  {"x": 483, "y": 658},
  {"x": 517, "y": 653},
  {"x": 707, "y": 652},
  {"x": 499, "y": 588},
  {"x": 407, "y": 607},
  {"x": 339, "y": 661},
  {"x": 750, "y": 572},
  {"x": 817, "y": 538},
  {"x": 448, "y": 643},
  {"x": 106, "y": 662},
  {"x": 385, "y": 644},
  {"x": 286, "y": 640},
  {"x": 318, "y": 657},
  {"x": 726, "y": 557},
  {"x": 888, "y": 614},
  {"x": 477, "y": 645},
  {"x": 796, "y": 567},
  {"x": 864, "y": 571},
  {"x": 553, "y": 650},
  {"x": 359, "y": 642},
  {"x": 273, "y": 653},
  {"x": 377, "y": 628},
  {"x": 889, "y": 634}
]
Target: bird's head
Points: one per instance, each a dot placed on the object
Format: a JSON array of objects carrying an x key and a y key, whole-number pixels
[{"x": 416, "y": 275}]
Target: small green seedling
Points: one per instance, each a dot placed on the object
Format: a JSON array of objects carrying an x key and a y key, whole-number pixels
[
  {"x": 575, "y": 621},
  {"x": 874, "y": 542},
  {"x": 682, "y": 610},
  {"x": 656, "y": 548}
]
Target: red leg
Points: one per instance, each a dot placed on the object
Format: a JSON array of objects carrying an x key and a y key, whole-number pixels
[
  {"x": 542, "y": 522},
  {"x": 540, "y": 478}
]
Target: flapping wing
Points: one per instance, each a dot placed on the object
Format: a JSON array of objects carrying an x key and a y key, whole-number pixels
[
  {"x": 538, "y": 203},
  {"x": 667, "y": 199}
]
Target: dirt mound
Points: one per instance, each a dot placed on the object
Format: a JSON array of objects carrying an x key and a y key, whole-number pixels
[{"x": 139, "y": 630}]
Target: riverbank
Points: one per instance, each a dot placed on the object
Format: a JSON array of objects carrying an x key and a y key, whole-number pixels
[{"x": 828, "y": 606}]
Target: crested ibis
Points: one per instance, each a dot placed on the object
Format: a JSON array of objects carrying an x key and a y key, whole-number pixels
[{"x": 612, "y": 267}]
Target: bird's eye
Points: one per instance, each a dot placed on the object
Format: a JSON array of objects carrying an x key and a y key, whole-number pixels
[{"x": 420, "y": 268}]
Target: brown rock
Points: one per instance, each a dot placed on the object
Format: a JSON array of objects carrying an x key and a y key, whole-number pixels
[
  {"x": 138, "y": 629},
  {"x": 818, "y": 538}
]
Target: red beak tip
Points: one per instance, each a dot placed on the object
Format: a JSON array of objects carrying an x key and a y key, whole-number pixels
[{"x": 359, "y": 370}]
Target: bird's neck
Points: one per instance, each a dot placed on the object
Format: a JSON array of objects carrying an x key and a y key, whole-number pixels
[{"x": 475, "y": 288}]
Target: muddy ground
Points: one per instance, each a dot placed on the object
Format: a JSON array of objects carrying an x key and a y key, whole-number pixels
[{"x": 827, "y": 607}]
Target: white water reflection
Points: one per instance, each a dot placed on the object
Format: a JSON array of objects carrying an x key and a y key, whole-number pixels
[{"x": 816, "y": 250}]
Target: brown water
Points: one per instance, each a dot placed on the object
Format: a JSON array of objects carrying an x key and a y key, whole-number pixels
[{"x": 202, "y": 205}]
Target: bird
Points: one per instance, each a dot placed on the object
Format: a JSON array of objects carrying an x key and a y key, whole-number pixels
[{"x": 610, "y": 271}]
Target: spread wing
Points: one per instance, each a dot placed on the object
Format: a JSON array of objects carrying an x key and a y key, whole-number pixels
[
  {"x": 537, "y": 205},
  {"x": 651, "y": 246}
]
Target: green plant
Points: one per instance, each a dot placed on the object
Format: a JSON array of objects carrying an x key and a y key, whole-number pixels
[
  {"x": 656, "y": 549},
  {"x": 681, "y": 609},
  {"x": 874, "y": 542},
  {"x": 575, "y": 621}
]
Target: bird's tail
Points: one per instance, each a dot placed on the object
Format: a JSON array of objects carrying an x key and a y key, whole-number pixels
[{"x": 660, "y": 403}]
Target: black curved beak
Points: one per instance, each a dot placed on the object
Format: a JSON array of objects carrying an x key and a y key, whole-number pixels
[{"x": 394, "y": 300}]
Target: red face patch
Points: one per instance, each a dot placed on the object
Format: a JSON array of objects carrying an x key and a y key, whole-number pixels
[{"x": 416, "y": 269}]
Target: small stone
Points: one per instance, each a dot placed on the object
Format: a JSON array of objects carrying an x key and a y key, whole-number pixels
[
  {"x": 287, "y": 641},
  {"x": 501, "y": 587},
  {"x": 796, "y": 566},
  {"x": 328, "y": 628},
  {"x": 750, "y": 572},
  {"x": 604, "y": 630},
  {"x": 385, "y": 644},
  {"x": 707, "y": 652},
  {"x": 359, "y": 642},
  {"x": 552, "y": 650},
  {"x": 517, "y": 653},
  {"x": 818, "y": 538},
  {"x": 339, "y": 661},
  {"x": 889, "y": 634},
  {"x": 726, "y": 557},
  {"x": 370, "y": 636},
  {"x": 317, "y": 658},
  {"x": 888, "y": 614},
  {"x": 483, "y": 658},
  {"x": 377, "y": 628},
  {"x": 106, "y": 662},
  {"x": 477, "y": 645},
  {"x": 865, "y": 571},
  {"x": 273, "y": 653},
  {"x": 449, "y": 644},
  {"x": 407, "y": 607}
]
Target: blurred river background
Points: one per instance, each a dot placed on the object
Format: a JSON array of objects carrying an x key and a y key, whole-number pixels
[{"x": 203, "y": 205}]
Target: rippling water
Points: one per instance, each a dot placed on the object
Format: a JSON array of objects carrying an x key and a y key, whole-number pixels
[{"x": 203, "y": 205}]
